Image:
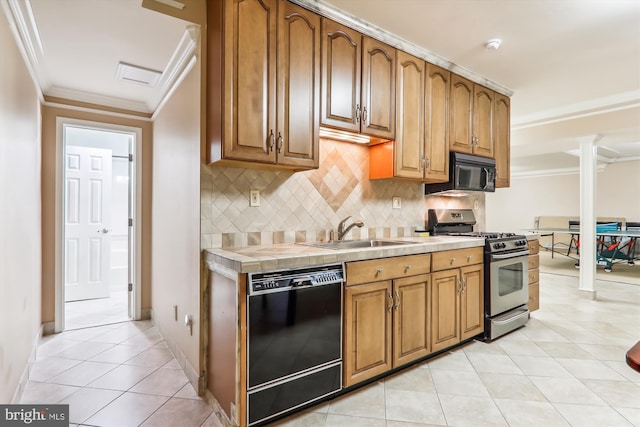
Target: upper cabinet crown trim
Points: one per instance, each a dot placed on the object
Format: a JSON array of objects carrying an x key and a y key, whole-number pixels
[{"x": 371, "y": 30}]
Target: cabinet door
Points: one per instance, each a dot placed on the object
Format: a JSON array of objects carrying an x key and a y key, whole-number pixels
[
  {"x": 378, "y": 115},
  {"x": 410, "y": 319},
  {"x": 250, "y": 80},
  {"x": 445, "y": 309},
  {"x": 472, "y": 301},
  {"x": 482, "y": 121},
  {"x": 341, "y": 69},
  {"x": 460, "y": 119},
  {"x": 409, "y": 146},
  {"x": 437, "y": 93},
  {"x": 501, "y": 139},
  {"x": 298, "y": 86},
  {"x": 367, "y": 331}
]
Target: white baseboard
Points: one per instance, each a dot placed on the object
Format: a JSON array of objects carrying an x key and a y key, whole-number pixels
[{"x": 24, "y": 378}]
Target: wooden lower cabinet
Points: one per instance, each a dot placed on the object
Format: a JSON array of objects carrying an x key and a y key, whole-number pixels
[
  {"x": 534, "y": 275},
  {"x": 457, "y": 305},
  {"x": 386, "y": 325},
  {"x": 367, "y": 331}
]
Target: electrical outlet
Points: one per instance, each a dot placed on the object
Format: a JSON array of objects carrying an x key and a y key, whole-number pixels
[
  {"x": 396, "y": 203},
  {"x": 475, "y": 205},
  {"x": 254, "y": 198}
]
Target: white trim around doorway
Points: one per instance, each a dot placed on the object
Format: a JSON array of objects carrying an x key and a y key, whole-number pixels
[{"x": 59, "y": 324}]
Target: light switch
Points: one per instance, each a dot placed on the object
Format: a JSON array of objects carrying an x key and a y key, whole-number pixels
[
  {"x": 254, "y": 198},
  {"x": 396, "y": 203}
]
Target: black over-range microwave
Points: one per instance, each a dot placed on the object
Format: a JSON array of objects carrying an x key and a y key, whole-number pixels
[{"x": 467, "y": 173}]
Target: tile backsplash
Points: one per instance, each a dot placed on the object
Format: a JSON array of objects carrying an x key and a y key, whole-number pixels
[{"x": 305, "y": 206}]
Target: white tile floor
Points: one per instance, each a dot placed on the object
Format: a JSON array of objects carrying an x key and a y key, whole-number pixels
[
  {"x": 565, "y": 368},
  {"x": 95, "y": 312}
]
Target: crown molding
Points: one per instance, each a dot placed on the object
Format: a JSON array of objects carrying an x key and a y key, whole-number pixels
[
  {"x": 371, "y": 30},
  {"x": 553, "y": 172},
  {"x": 177, "y": 66},
  {"x": 25, "y": 31},
  {"x": 594, "y": 107},
  {"x": 93, "y": 98}
]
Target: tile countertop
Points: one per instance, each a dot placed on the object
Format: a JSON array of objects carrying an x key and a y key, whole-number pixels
[{"x": 252, "y": 259}]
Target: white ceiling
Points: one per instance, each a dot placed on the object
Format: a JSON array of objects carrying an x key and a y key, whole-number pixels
[{"x": 573, "y": 65}]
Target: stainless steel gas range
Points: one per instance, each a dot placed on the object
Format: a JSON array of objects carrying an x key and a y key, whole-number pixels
[{"x": 506, "y": 280}]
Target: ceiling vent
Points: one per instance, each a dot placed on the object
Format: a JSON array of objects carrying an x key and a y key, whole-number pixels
[{"x": 140, "y": 75}]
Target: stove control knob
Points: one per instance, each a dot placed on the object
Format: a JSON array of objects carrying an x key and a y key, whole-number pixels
[
  {"x": 496, "y": 245},
  {"x": 503, "y": 245}
]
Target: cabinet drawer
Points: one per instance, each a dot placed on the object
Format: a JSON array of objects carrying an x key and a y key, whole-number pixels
[
  {"x": 534, "y": 276},
  {"x": 534, "y": 247},
  {"x": 534, "y": 261},
  {"x": 534, "y": 297},
  {"x": 375, "y": 270},
  {"x": 458, "y": 258}
]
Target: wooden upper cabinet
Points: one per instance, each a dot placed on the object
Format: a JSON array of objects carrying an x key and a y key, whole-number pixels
[
  {"x": 471, "y": 118},
  {"x": 250, "y": 80},
  {"x": 482, "y": 121},
  {"x": 409, "y": 143},
  {"x": 461, "y": 119},
  {"x": 378, "y": 115},
  {"x": 298, "y": 86},
  {"x": 263, "y": 84},
  {"x": 341, "y": 70},
  {"x": 501, "y": 139},
  {"x": 358, "y": 82},
  {"x": 437, "y": 99}
]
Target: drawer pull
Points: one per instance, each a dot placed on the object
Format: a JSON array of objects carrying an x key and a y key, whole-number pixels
[
  {"x": 390, "y": 306},
  {"x": 397, "y": 300},
  {"x": 378, "y": 271},
  {"x": 468, "y": 258},
  {"x": 452, "y": 260},
  {"x": 407, "y": 268}
]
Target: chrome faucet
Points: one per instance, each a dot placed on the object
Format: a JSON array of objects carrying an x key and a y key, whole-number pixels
[{"x": 342, "y": 230}]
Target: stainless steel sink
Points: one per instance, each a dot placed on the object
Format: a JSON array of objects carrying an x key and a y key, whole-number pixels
[{"x": 355, "y": 244}]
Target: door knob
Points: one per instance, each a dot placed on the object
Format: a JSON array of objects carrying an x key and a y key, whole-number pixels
[{"x": 104, "y": 231}]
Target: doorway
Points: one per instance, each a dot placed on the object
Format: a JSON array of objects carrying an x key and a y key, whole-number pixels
[{"x": 97, "y": 225}]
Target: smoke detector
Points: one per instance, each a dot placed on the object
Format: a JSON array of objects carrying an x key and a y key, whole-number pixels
[{"x": 492, "y": 44}]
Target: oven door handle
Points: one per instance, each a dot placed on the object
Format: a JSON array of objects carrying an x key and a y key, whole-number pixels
[
  {"x": 512, "y": 318},
  {"x": 509, "y": 255}
]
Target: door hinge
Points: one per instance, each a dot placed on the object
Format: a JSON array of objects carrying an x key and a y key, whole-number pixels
[
  {"x": 130, "y": 222},
  {"x": 130, "y": 287},
  {"x": 131, "y": 157}
]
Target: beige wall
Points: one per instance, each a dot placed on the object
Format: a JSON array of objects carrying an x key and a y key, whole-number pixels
[
  {"x": 514, "y": 208},
  {"x": 20, "y": 240},
  {"x": 176, "y": 219},
  {"x": 49, "y": 116}
]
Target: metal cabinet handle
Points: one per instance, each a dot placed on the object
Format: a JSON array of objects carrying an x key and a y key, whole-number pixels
[
  {"x": 390, "y": 306},
  {"x": 272, "y": 140},
  {"x": 397, "y": 299},
  {"x": 357, "y": 113},
  {"x": 280, "y": 142},
  {"x": 428, "y": 163},
  {"x": 468, "y": 258},
  {"x": 459, "y": 285},
  {"x": 364, "y": 114},
  {"x": 464, "y": 284},
  {"x": 452, "y": 260},
  {"x": 423, "y": 163},
  {"x": 378, "y": 271},
  {"x": 407, "y": 267}
]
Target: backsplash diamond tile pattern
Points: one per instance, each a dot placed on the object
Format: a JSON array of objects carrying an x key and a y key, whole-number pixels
[{"x": 305, "y": 206}]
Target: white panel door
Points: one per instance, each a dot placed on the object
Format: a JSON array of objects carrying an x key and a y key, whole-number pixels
[{"x": 87, "y": 211}]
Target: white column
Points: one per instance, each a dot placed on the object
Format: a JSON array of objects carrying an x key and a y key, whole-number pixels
[{"x": 588, "y": 156}]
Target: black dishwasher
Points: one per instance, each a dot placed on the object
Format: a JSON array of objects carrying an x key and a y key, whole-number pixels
[{"x": 294, "y": 339}]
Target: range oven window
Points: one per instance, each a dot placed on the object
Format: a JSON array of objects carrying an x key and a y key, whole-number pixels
[
  {"x": 510, "y": 278},
  {"x": 292, "y": 331}
]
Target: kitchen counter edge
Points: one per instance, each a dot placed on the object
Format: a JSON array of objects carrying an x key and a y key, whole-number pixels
[{"x": 251, "y": 259}]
